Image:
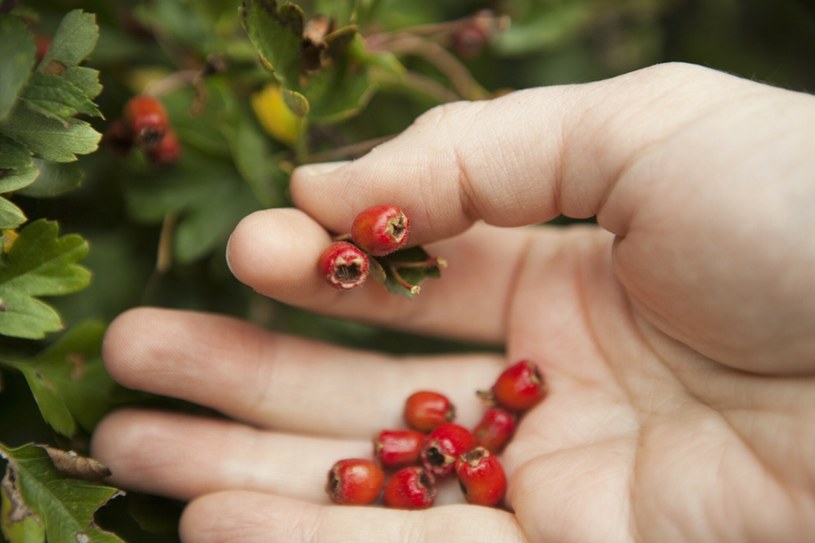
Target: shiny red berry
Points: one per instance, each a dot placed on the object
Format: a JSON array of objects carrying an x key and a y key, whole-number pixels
[
  {"x": 481, "y": 477},
  {"x": 495, "y": 429},
  {"x": 443, "y": 445},
  {"x": 343, "y": 265},
  {"x": 412, "y": 487},
  {"x": 398, "y": 448},
  {"x": 425, "y": 409},
  {"x": 380, "y": 230},
  {"x": 167, "y": 151},
  {"x": 355, "y": 481},
  {"x": 519, "y": 387},
  {"x": 146, "y": 119}
]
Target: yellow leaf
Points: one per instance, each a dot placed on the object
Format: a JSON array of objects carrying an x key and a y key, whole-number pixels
[{"x": 274, "y": 116}]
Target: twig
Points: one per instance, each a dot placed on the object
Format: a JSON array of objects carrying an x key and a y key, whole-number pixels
[{"x": 352, "y": 150}]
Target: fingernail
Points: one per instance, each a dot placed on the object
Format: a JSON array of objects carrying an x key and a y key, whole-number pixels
[{"x": 319, "y": 169}]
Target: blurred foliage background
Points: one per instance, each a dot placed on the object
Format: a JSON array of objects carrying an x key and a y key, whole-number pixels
[{"x": 157, "y": 234}]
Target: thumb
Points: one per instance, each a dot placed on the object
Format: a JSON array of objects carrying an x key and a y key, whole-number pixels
[{"x": 520, "y": 159}]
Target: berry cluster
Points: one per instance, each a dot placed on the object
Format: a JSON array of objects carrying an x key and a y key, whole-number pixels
[
  {"x": 433, "y": 448},
  {"x": 374, "y": 246},
  {"x": 145, "y": 125}
]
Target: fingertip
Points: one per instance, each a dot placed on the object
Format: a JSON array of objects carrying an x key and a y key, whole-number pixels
[{"x": 276, "y": 251}]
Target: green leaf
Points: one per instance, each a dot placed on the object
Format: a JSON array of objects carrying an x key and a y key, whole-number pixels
[
  {"x": 50, "y": 139},
  {"x": 402, "y": 272},
  {"x": 249, "y": 151},
  {"x": 68, "y": 380},
  {"x": 72, "y": 43},
  {"x": 63, "y": 506},
  {"x": 40, "y": 263},
  {"x": 57, "y": 98},
  {"x": 16, "y": 166},
  {"x": 19, "y": 523},
  {"x": 277, "y": 34},
  {"x": 85, "y": 78},
  {"x": 337, "y": 92},
  {"x": 17, "y": 56},
  {"x": 11, "y": 216},
  {"x": 55, "y": 179}
]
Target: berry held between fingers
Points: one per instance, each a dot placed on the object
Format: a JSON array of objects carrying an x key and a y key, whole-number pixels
[
  {"x": 343, "y": 265},
  {"x": 355, "y": 481},
  {"x": 380, "y": 230}
]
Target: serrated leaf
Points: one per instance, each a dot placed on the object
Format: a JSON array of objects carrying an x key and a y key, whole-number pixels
[
  {"x": 277, "y": 34},
  {"x": 11, "y": 216},
  {"x": 68, "y": 380},
  {"x": 65, "y": 506},
  {"x": 16, "y": 166},
  {"x": 40, "y": 263},
  {"x": 85, "y": 78},
  {"x": 17, "y": 56},
  {"x": 54, "y": 179},
  {"x": 72, "y": 43},
  {"x": 57, "y": 98},
  {"x": 50, "y": 139}
]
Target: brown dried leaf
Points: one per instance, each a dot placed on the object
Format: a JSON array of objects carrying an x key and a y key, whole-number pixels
[{"x": 73, "y": 465}]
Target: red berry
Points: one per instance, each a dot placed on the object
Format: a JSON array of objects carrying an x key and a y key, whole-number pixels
[
  {"x": 519, "y": 387},
  {"x": 167, "y": 150},
  {"x": 43, "y": 42},
  {"x": 481, "y": 477},
  {"x": 146, "y": 119},
  {"x": 117, "y": 137},
  {"x": 412, "y": 487},
  {"x": 469, "y": 40},
  {"x": 380, "y": 230},
  {"x": 398, "y": 448},
  {"x": 425, "y": 409},
  {"x": 443, "y": 445},
  {"x": 355, "y": 481},
  {"x": 344, "y": 265},
  {"x": 495, "y": 429}
]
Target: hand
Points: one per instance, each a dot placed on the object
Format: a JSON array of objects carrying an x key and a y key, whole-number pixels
[{"x": 677, "y": 337}]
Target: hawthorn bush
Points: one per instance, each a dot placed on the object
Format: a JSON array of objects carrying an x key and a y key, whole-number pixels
[{"x": 93, "y": 225}]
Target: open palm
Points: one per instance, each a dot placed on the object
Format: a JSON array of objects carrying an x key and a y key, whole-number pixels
[{"x": 681, "y": 406}]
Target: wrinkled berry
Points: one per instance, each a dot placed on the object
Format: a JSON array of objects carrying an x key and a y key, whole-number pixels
[
  {"x": 343, "y": 265},
  {"x": 412, "y": 487},
  {"x": 495, "y": 429},
  {"x": 443, "y": 445},
  {"x": 398, "y": 448}
]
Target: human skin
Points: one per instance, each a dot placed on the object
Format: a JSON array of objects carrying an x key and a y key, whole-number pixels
[{"x": 677, "y": 335}]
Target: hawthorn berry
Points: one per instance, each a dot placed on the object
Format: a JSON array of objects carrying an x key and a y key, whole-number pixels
[
  {"x": 355, "y": 481},
  {"x": 380, "y": 230},
  {"x": 481, "y": 477},
  {"x": 412, "y": 487},
  {"x": 495, "y": 429},
  {"x": 443, "y": 445},
  {"x": 117, "y": 137},
  {"x": 518, "y": 388},
  {"x": 425, "y": 409},
  {"x": 344, "y": 265},
  {"x": 146, "y": 119},
  {"x": 398, "y": 448},
  {"x": 167, "y": 150}
]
